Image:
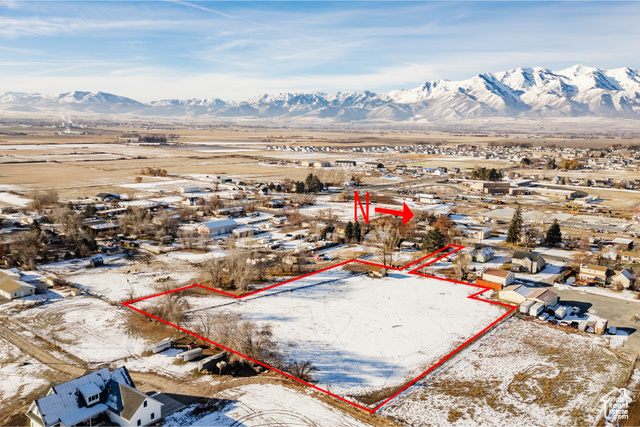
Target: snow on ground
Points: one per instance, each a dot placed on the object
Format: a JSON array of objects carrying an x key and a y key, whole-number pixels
[
  {"x": 521, "y": 373},
  {"x": 625, "y": 295},
  {"x": 196, "y": 258},
  {"x": 161, "y": 363},
  {"x": 550, "y": 271},
  {"x": 262, "y": 405},
  {"x": 499, "y": 259},
  {"x": 119, "y": 281},
  {"x": 548, "y": 253},
  {"x": 14, "y": 200},
  {"x": 86, "y": 327},
  {"x": 20, "y": 373},
  {"x": 365, "y": 334}
]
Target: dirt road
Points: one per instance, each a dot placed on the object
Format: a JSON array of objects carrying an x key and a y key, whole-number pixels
[{"x": 147, "y": 381}]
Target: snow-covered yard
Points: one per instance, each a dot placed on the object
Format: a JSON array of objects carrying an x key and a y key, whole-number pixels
[
  {"x": 521, "y": 373},
  {"x": 20, "y": 373},
  {"x": 86, "y": 327},
  {"x": 262, "y": 405},
  {"x": 364, "y": 334},
  {"x": 14, "y": 200},
  {"x": 118, "y": 280}
]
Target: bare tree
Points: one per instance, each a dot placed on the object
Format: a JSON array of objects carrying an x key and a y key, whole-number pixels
[
  {"x": 386, "y": 237},
  {"x": 25, "y": 248},
  {"x": 461, "y": 265}
]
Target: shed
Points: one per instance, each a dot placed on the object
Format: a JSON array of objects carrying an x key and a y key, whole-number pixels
[
  {"x": 11, "y": 288},
  {"x": 545, "y": 296},
  {"x": 515, "y": 293},
  {"x": 495, "y": 275},
  {"x": 526, "y": 306}
]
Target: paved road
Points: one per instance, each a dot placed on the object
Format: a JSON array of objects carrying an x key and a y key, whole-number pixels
[{"x": 618, "y": 312}]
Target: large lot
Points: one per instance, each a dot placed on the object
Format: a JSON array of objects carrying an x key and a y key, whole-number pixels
[
  {"x": 363, "y": 334},
  {"x": 521, "y": 373}
]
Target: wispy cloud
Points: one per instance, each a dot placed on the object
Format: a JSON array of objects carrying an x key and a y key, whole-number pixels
[{"x": 232, "y": 50}]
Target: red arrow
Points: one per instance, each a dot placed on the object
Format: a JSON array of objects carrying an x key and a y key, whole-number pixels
[{"x": 405, "y": 213}]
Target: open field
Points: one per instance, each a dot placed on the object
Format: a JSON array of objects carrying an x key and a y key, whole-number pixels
[
  {"x": 521, "y": 373},
  {"x": 362, "y": 334},
  {"x": 86, "y": 327},
  {"x": 260, "y": 405}
]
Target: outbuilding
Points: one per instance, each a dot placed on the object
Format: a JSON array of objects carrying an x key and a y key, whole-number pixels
[{"x": 216, "y": 228}]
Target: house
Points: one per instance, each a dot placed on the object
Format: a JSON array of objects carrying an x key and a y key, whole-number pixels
[
  {"x": 545, "y": 296},
  {"x": 12, "y": 287},
  {"x": 216, "y": 228},
  {"x": 483, "y": 255},
  {"x": 595, "y": 273},
  {"x": 623, "y": 278},
  {"x": 102, "y": 397},
  {"x": 530, "y": 262},
  {"x": 478, "y": 233},
  {"x": 611, "y": 254}
]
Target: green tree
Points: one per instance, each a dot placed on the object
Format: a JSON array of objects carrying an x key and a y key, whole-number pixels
[
  {"x": 299, "y": 187},
  {"x": 433, "y": 241},
  {"x": 515, "y": 228},
  {"x": 90, "y": 211},
  {"x": 313, "y": 183},
  {"x": 357, "y": 233},
  {"x": 348, "y": 231},
  {"x": 554, "y": 235}
]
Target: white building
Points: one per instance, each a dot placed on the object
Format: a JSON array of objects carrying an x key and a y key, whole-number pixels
[
  {"x": 216, "y": 228},
  {"x": 103, "y": 396}
]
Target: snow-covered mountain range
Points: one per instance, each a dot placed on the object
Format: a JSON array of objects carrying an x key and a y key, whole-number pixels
[{"x": 578, "y": 91}]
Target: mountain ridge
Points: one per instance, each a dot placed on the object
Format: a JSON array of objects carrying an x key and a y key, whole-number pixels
[{"x": 526, "y": 92}]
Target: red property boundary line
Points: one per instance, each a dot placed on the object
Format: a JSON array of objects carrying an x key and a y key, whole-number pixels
[{"x": 455, "y": 248}]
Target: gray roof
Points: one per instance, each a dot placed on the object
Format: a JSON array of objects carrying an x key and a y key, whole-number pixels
[
  {"x": 65, "y": 400},
  {"x": 523, "y": 290},
  {"x": 220, "y": 223}
]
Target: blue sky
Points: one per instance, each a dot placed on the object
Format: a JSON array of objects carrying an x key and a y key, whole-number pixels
[{"x": 233, "y": 50}]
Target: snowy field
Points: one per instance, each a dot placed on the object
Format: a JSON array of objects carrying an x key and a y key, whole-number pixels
[
  {"x": 522, "y": 373},
  {"x": 86, "y": 327},
  {"x": 20, "y": 373},
  {"x": 13, "y": 200},
  {"x": 264, "y": 405},
  {"x": 118, "y": 280},
  {"x": 364, "y": 334}
]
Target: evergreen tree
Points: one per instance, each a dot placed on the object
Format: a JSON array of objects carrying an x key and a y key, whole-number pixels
[
  {"x": 90, "y": 211},
  {"x": 348, "y": 231},
  {"x": 433, "y": 241},
  {"x": 554, "y": 235},
  {"x": 299, "y": 187},
  {"x": 515, "y": 228},
  {"x": 357, "y": 233}
]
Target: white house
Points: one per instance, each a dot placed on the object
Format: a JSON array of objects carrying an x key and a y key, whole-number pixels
[
  {"x": 103, "y": 396},
  {"x": 215, "y": 228},
  {"x": 622, "y": 277},
  {"x": 483, "y": 255}
]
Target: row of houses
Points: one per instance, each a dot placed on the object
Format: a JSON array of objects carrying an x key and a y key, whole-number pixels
[{"x": 596, "y": 274}]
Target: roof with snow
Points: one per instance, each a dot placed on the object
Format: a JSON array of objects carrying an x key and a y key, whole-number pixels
[
  {"x": 65, "y": 403},
  {"x": 220, "y": 223},
  {"x": 523, "y": 290}
]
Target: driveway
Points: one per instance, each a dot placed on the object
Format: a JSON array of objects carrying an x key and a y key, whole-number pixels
[{"x": 618, "y": 312}]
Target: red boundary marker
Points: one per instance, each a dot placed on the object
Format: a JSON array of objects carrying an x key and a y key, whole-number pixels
[{"x": 414, "y": 271}]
